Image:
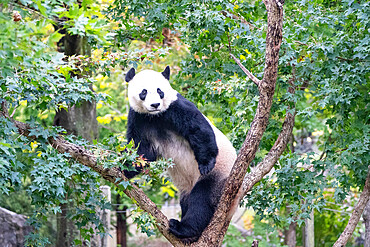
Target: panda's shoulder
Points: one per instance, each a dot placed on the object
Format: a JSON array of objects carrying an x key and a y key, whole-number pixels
[{"x": 183, "y": 104}]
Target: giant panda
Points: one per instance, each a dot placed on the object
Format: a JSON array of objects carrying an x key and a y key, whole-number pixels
[{"x": 162, "y": 123}]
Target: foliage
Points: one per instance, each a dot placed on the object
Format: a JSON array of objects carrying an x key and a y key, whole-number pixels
[{"x": 325, "y": 53}]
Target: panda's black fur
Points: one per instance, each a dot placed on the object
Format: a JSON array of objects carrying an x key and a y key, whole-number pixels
[{"x": 180, "y": 125}]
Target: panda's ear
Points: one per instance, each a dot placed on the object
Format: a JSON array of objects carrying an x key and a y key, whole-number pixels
[
  {"x": 166, "y": 73},
  {"x": 130, "y": 74}
]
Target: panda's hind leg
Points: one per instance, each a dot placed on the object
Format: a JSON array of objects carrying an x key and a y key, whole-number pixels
[{"x": 197, "y": 208}]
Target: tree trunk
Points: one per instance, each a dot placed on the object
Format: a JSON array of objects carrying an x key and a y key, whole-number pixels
[
  {"x": 308, "y": 231},
  {"x": 79, "y": 121},
  {"x": 121, "y": 223},
  {"x": 366, "y": 217},
  {"x": 291, "y": 235}
]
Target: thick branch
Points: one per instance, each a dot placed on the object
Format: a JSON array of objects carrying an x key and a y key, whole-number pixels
[
  {"x": 245, "y": 70},
  {"x": 113, "y": 175},
  {"x": 356, "y": 215},
  {"x": 213, "y": 234},
  {"x": 273, "y": 155}
]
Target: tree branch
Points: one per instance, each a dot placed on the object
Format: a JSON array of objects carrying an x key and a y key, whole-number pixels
[
  {"x": 245, "y": 70},
  {"x": 113, "y": 175},
  {"x": 213, "y": 234},
  {"x": 356, "y": 214},
  {"x": 238, "y": 18},
  {"x": 273, "y": 155}
]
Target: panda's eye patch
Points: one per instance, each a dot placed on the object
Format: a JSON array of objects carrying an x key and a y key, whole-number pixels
[
  {"x": 161, "y": 94},
  {"x": 143, "y": 93}
]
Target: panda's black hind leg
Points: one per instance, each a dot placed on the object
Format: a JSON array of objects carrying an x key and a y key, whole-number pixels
[
  {"x": 197, "y": 208},
  {"x": 185, "y": 233}
]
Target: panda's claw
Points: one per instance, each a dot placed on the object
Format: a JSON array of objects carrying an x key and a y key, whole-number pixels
[{"x": 205, "y": 169}]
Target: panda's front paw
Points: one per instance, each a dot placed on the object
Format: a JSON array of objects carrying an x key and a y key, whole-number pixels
[{"x": 205, "y": 169}]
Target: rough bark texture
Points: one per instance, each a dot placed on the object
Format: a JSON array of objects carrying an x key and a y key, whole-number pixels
[
  {"x": 214, "y": 233},
  {"x": 66, "y": 230},
  {"x": 366, "y": 217},
  {"x": 356, "y": 214},
  {"x": 290, "y": 235},
  {"x": 13, "y": 228}
]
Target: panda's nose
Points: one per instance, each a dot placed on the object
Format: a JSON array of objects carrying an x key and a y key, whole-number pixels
[{"x": 155, "y": 105}]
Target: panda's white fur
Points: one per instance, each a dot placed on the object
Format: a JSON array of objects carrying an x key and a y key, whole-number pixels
[{"x": 172, "y": 129}]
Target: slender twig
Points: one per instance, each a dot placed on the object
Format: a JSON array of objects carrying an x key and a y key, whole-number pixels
[
  {"x": 11, "y": 115},
  {"x": 301, "y": 43},
  {"x": 246, "y": 71},
  {"x": 31, "y": 9},
  {"x": 351, "y": 59},
  {"x": 238, "y": 18}
]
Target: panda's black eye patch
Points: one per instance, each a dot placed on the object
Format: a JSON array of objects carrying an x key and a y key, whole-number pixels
[
  {"x": 143, "y": 93},
  {"x": 161, "y": 94}
]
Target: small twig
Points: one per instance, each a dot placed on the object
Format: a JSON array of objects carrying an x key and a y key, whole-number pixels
[
  {"x": 301, "y": 43},
  {"x": 351, "y": 59},
  {"x": 15, "y": 108},
  {"x": 31, "y": 9},
  {"x": 292, "y": 79},
  {"x": 219, "y": 48},
  {"x": 238, "y": 18},
  {"x": 246, "y": 71},
  {"x": 108, "y": 128},
  {"x": 346, "y": 59},
  {"x": 228, "y": 39}
]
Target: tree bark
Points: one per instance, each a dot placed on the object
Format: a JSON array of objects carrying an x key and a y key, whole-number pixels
[
  {"x": 356, "y": 214},
  {"x": 366, "y": 217},
  {"x": 291, "y": 235},
  {"x": 309, "y": 231}
]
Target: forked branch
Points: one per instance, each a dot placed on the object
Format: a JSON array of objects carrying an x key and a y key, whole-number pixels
[{"x": 214, "y": 233}]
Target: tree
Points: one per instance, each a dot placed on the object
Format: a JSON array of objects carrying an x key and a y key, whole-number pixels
[{"x": 224, "y": 40}]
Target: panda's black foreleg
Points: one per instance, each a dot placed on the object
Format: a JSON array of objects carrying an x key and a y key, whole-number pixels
[
  {"x": 197, "y": 209},
  {"x": 184, "y": 204}
]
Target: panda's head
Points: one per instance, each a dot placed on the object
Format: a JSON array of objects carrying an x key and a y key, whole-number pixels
[{"x": 149, "y": 91}]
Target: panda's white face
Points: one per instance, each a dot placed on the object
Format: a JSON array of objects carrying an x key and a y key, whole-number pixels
[{"x": 150, "y": 92}]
